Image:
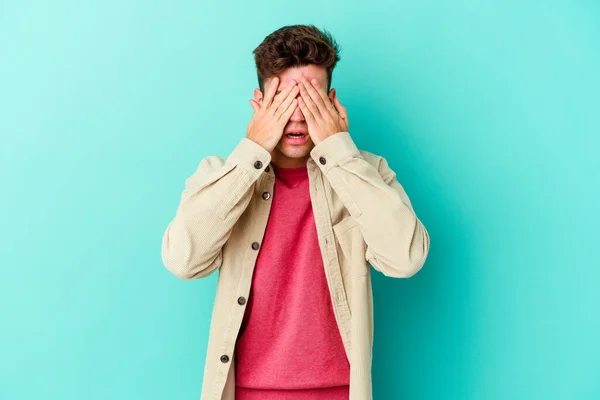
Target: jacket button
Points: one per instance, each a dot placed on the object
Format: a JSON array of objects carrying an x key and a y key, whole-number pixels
[
  {"x": 267, "y": 169},
  {"x": 255, "y": 245},
  {"x": 322, "y": 160},
  {"x": 241, "y": 300},
  {"x": 266, "y": 195},
  {"x": 258, "y": 164},
  {"x": 224, "y": 358}
]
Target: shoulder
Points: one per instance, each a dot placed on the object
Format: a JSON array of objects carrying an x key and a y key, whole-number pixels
[{"x": 213, "y": 162}]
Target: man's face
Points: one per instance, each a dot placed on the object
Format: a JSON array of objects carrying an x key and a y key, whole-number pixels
[{"x": 286, "y": 154}]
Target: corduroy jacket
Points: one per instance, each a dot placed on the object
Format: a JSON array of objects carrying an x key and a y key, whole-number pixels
[{"x": 363, "y": 217}]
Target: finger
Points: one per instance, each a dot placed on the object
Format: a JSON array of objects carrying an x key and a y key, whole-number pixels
[
  {"x": 321, "y": 92},
  {"x": 270, "y": 92},
  {"x": 290, "y": 91},
  {"x": 341, "y": 109},
  {"x": 307, "y": 100},
  {"x": 308, "y": 115},
  {"x": 287, "y": 101},
  {"x": 255, "y": 105},
  {"x": 316, "y": 98},
  {"x": 290, "y": 110}
]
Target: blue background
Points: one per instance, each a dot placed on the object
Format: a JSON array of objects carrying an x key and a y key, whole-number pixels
[{"x": 487, "y": 110}]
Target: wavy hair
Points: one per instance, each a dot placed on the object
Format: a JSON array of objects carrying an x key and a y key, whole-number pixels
[{"x": 295, "y": 45}]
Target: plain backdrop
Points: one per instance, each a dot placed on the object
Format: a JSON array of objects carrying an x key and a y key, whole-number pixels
[{"x": 488, "y": 111}]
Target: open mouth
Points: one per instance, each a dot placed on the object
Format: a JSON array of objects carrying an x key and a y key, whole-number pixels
[{"x": 295, "y": 138}]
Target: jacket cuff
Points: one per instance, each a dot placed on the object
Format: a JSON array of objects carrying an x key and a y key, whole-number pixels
[
  {"x": 251, "y": 156},
  {"x": 333, "y": 150}
]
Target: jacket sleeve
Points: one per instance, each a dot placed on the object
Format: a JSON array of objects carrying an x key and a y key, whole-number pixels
[
  {"x": 397, "y": 243},
  {"x": 213, "y": 200}
]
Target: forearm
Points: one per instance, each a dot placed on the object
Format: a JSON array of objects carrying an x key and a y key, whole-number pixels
[
  {"x": 397, "y": 243},
  {"x": 213, "y": 200}
]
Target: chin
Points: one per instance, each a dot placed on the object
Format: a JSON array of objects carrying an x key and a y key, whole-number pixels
[
  {"x": 301, "y": 151},
  {"x": 288, "y": 147},
  {"x": 296, "y": 152}
]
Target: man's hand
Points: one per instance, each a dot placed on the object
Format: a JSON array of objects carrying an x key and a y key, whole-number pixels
[
  {"x": 321, "y": 116},
  {"x": 272, "y": 115}
]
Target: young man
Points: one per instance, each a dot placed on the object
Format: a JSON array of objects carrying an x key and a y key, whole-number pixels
[{"x": 291, "y": 219}]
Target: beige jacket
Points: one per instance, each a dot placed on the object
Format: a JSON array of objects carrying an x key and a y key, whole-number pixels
[{"x": 362, "y": 214}]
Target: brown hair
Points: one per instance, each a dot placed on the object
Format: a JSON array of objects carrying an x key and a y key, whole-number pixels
[{"x": 295, "y": 45}]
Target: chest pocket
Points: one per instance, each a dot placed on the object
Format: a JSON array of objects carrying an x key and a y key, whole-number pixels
[{"x": 352, "y": 248}]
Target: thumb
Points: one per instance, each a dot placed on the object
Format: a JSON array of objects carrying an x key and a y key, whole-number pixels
[
  {"x": 340, "y": 108},
  {"x": 254, "y": 105}
]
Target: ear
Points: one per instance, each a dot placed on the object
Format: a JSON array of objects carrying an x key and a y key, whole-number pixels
[
  {"x": 258, "y": 96},
  {"x": 331, "y": 95}
]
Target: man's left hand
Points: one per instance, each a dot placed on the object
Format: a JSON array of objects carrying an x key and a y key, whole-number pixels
[{"x": 323, "y": 118}]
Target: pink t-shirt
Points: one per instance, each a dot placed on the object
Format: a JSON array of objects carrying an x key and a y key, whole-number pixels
[{"x": 289, "y": 346}]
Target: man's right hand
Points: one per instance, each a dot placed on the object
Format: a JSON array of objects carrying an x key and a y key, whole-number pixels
[{"x": 272, "y": 115}]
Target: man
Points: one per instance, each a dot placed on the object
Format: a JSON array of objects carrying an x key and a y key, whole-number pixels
[{"x": 291, "y": 219}]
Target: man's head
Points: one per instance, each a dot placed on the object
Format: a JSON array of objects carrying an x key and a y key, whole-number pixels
[{"x": 288, "y": 53}]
